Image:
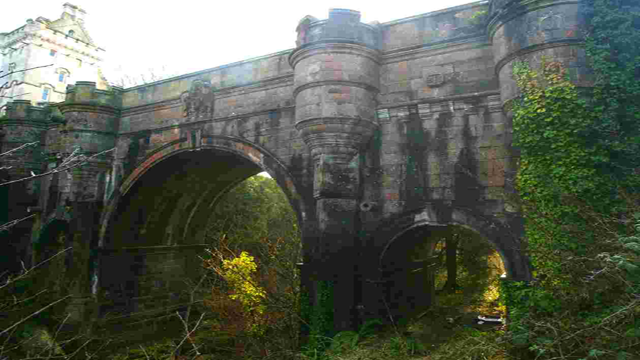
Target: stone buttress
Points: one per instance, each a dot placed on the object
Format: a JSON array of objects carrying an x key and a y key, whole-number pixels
[
  {"x": 76, "y": 197},
  {"x": 336, "y": 80}
]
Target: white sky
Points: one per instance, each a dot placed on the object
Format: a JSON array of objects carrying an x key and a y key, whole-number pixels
[{"x": 192, "y": 35}]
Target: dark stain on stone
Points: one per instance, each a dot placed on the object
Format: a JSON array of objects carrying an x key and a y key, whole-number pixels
[
  {"x": 467, "y": 188},
  {"x": 416, "y": 145}
]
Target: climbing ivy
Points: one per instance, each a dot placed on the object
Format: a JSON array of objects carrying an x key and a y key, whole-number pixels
[
  {"x": 574, "y": 147},
  {"x": 321, "y": 319},
  {"x": 577, "y": 171}
]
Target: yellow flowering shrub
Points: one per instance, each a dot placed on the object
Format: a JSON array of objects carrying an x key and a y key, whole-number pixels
[{"x": 238, "y": 272}]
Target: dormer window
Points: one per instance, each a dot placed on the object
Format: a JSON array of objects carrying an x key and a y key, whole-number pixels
[
  {"x": 52, "y": 53},
  {"x": 71, "y": 33}
]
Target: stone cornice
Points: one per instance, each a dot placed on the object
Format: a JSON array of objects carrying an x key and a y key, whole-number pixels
[
  {"x": 440, "y": 99},
  {"x": 314, "y": 84},
  {"x": 66, "y": 107},
  {"x": 333, "y": 46},
  {"x": 197, "y": 123}
]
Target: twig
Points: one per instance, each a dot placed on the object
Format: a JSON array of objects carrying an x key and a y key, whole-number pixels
[
  {"x": 41, "y": 263},
  {"x": 34, "y": 314},
  {"x": 20, "y": 147},
  {"x": 11, "y": 223},
  {"x": 56, "y": 335},
  {"x": 145, "y": 352},
  {"x": 68, "y": 164},
  {"x": 18, "y": 71},
  {"x": 186, "y": 327}
]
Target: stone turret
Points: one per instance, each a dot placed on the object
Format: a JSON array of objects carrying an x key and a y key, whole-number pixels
[
  {"x": 528, "y": 30},
  {"x": 336, "y": 82},
  {"x": 91, "y": 121}
]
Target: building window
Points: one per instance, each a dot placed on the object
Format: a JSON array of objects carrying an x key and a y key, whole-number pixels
[
  {"x": 12, "y": 67},
  {"x": 45, "y": 94},
  {"x": 71, "y": 33},
  {"x": 52, "y": 53},
  {"x": 61, "y": 77}
]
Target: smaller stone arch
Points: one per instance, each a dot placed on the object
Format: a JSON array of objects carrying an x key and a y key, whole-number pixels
[{"x": 502, "y": 232}]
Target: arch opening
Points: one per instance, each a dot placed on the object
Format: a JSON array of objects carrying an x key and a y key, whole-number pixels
[
  {"x": 440, "y": 277},
  {"x": 155, "y": 234}
]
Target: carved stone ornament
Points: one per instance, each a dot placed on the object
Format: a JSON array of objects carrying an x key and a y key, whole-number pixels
[
  {"x": 435, "y": 80},
  {"x": 199, "y": 100}
]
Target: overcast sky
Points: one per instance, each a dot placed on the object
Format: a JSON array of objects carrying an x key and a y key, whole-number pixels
[{"x": 190, "y": 35}]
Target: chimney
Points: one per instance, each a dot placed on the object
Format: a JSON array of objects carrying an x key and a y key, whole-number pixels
[{"x": 73, "y": 12}]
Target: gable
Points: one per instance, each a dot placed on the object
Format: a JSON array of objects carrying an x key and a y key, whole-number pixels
[{"x": 64, "y": 25}]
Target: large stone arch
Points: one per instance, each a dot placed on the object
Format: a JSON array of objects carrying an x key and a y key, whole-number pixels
[
  {"x": 153, "y": 223},
  {"x": 251, "y": 153}
]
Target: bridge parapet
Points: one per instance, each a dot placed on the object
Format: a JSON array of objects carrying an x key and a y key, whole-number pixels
[{"x": 343, "y": 25}]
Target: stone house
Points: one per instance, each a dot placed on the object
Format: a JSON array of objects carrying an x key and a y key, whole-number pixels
[{"x": 61, "y": 51}]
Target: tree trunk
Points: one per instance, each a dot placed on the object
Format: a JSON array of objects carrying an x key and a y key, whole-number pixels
[{"x": 452, "y": 266}]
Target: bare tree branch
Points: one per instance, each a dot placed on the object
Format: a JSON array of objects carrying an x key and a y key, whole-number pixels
[
  {"x": 19, "y": 147},
  {"x": 14, "y": 222},
  {"x": 71, "y": 162},
  {"x": 34, "y": 314},
  {"x": 19, "y": 71}
]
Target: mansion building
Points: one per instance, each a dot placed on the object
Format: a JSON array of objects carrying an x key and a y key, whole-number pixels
[{"x": 42, "y": 57}]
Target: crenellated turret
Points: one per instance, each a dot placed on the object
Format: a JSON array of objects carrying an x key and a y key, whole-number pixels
[
  {"x": 336, "y": 81},
  {"x": 90, "y": 126},
  {"x": 528, "y": 30}
]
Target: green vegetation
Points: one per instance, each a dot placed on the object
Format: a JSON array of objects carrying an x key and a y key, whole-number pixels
[{"x": 576, "y": 198}]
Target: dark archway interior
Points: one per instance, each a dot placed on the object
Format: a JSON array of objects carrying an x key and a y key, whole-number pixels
[
  {"x": 156, "y": 234},
  {"x": 414, "y": 274},
  {"x": 405, "y": 270},
  {"x": 168, "y": 204}
]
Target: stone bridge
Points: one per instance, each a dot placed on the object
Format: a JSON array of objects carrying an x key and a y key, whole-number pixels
[{"x": 379, "y": 134}]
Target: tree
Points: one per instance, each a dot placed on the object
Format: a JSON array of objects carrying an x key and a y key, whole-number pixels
[{"x": 451, "y": 244}]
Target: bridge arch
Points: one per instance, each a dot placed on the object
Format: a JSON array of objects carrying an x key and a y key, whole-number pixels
[
  {"x": 235, "y": 159},
  {"x": 153, "y": 228},
  {"x": 503, "y": 233}
]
